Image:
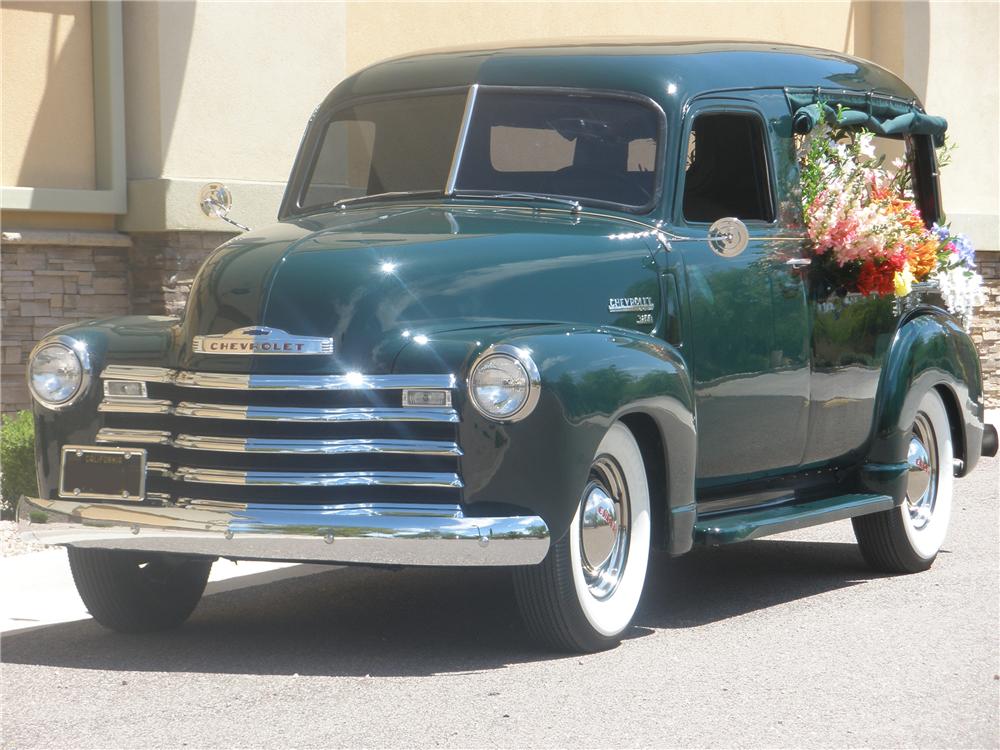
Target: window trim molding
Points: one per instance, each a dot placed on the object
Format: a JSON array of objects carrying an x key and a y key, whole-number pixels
[{"x": 110, "y": 195}]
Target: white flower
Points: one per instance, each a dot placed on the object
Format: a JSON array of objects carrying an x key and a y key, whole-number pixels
[
  {"x": 866, "y": 144},
  {"x": 962, "y": 291}
]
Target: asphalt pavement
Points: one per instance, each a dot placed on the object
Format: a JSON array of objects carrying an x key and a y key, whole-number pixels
[{"x": 788, "y": 641}]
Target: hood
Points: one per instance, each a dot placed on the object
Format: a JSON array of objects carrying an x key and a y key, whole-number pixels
[{"x": 372, "y": 279}]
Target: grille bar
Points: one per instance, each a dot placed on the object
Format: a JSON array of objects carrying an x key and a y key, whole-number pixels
[
  {"x": 327, "y": 447},
  {"x": 318, "y": 478},
  {"x": 132, "y": 405},
  {"x": 231, "y": 381},
  {"x": 276, "y": 413},
  {"x": 111, "y": 436},
  {"x": 306, "y": 414}
]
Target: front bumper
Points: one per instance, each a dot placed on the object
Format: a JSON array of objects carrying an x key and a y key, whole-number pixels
[{"x": 431, "y": 535}]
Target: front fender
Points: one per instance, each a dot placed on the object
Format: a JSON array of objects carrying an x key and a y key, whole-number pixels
[
  {"x": 930, "y": 350},
  {"x": 590, "y": 377},
  {"x": 135, "y": 339}
]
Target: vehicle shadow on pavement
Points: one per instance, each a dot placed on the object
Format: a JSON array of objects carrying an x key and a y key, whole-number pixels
[
  {"x": 709, "y": 585},
  {"x": 358, "y": 621}
]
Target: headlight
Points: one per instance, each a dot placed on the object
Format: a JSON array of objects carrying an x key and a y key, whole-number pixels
[
  {"x": 504, "y": 383},
  {"x": 58, "y": 372}
]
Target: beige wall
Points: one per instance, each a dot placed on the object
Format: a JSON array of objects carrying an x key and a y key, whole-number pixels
[
  {"x": 47, "y": 95},
  {"x": 963, "y": 84},
  {"x": 386, "y": 29},
  {"x": 222, "y": 91}
]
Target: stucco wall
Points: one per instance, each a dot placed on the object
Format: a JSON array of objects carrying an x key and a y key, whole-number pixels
[
  {"x": 963, "y": 84},
  {"x": 221, "y": 91},
  {"x": 377, "y": 30},
  {"x": 47, "y": 97}
]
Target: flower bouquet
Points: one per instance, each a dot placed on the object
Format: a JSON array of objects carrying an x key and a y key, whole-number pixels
[{"x": 867, "y": 233}]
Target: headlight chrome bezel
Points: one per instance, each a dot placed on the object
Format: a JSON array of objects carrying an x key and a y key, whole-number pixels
[
  {"x": 76, "y": 348},
  {"x": 523, "y": 358}
]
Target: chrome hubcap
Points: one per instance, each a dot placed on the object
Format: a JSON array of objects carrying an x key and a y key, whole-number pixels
[
  {"x": 604, "y": 527},
  {"x": 921, "y": 476},
  {"x": 600, "y": 527}
]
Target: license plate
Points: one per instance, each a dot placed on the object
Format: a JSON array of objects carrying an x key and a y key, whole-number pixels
[{"x": 103, "y": 473}]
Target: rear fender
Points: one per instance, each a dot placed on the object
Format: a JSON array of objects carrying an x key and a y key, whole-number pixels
[{"x": 928, "y": 351}]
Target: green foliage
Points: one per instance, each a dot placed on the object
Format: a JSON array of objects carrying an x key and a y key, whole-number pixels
[{"x": 17, "y": 460}]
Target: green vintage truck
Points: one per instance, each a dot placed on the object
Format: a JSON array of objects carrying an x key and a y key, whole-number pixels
[{"x": 544, "y": 307}]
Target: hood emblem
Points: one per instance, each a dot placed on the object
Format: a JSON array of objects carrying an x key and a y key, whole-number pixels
[{"x": 261, "y": 340}]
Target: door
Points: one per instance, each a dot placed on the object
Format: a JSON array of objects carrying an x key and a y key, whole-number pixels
[{"x": 747, "y": 315}]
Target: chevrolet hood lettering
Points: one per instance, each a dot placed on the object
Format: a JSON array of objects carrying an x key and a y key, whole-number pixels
[
  {"x": 630, "y": 304},
  {"x": 258, "y": 340}
]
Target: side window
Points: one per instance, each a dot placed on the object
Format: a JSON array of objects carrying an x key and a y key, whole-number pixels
[{"x": 726, "y": 169}]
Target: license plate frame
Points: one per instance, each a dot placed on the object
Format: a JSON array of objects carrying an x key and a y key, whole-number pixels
[{"x": 94, "y": 473}]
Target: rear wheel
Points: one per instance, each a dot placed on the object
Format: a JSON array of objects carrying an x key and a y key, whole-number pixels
[
  {"x": 907, "y": 539},
  {"x": 138, "y": 592},
  {"x": 583, "y": 596}
]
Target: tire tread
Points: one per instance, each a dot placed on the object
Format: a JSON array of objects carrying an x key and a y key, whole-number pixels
[{"x": 112, "y": 587}]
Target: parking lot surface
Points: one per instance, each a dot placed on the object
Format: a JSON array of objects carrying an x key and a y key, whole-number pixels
[{"x": 783, "y": 642}]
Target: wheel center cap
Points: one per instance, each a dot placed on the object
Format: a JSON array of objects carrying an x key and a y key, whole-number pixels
[
  {"x": 918, "y": 475},
  {"x": 599, "y": 526}
]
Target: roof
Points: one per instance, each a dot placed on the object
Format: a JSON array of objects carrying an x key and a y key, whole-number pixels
[{"x": 668, "y": 70}]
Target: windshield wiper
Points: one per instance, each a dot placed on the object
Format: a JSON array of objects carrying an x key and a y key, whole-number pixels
[
  {"x": 344, "y": 202},
  {"x": 573, "y": 205}
]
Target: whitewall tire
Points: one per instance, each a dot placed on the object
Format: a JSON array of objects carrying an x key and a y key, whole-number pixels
[
  {"x": 583, "y": 596},
  {"x": 906, "y": 539}
]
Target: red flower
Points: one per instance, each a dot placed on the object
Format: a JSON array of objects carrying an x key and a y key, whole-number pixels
[{"x": 878, "y": 277}]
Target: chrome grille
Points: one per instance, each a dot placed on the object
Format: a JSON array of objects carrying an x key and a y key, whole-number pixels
[{"x": 319, "y": 439}]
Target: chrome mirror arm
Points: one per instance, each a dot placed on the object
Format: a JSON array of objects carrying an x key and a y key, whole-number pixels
[{"x": 216, "y": 200}]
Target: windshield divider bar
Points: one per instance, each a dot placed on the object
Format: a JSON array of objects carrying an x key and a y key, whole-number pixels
[{"x": 463, "y": 132}]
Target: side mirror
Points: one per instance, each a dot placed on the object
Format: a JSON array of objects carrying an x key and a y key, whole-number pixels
[
  {"x": 216, "y": 200},
  {"x": 728, "y": 237}
]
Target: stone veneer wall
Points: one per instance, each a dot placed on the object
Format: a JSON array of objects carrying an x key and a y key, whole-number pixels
[
  {"x": 162, "y": 266},
  {"x": 50, "y": 279},
  {"x": 986, "y": 327}
]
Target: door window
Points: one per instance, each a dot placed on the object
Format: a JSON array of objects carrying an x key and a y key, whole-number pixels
[{"x": 726, "y": 169}]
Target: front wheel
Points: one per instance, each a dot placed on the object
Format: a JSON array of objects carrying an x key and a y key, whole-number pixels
[
  {"x": 907, "y": 539},
  {"x": 135, "y": 592},
  {"x": 583, "y": 596}
]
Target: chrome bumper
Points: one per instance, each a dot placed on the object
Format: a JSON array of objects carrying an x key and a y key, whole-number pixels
[{"x": 372, "y": 534}]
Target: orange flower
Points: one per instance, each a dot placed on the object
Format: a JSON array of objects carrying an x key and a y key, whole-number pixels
[{"x": 922, "y": 258}]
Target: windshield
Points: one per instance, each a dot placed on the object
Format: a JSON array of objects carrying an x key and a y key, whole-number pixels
[
  {"x": 386, "y": 146},
  {"x": 599, "y": 149}
]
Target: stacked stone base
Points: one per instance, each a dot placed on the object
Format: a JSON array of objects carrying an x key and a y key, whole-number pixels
[
  {"x": 50, "y": 279},
  {"x": 986, "y": 327}
]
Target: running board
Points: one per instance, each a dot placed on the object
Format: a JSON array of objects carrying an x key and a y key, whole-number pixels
[{"x": 726, "y": 528}]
